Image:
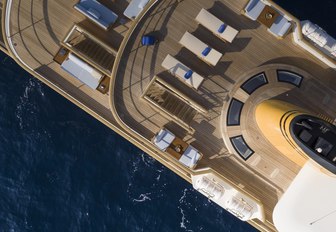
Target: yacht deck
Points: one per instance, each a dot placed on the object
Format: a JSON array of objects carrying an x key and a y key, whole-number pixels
[
  {"x": 37, "y": 29},
  {"x": 267, "y": 173}
]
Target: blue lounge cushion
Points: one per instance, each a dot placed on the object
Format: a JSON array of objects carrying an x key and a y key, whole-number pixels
[
  {"x": 206, "y": 51},
  {"x": 188, "y": 74},
  {"x": 94, "y": 13},
  {"x": 221, "y": 29},
  {"x": 148, "y": 40}
]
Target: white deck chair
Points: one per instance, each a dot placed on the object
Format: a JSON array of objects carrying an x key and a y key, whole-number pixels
[
  {"x": 200, "y": 49},
  {"x": 254, "y": 8},
  {"x": 183, "y": 72},
  {"x": 134, "y": 8},
  {"x": 163, "y": 139},
  {"x": 190, "y": 157},
  {"x": 216, "y": 26}
]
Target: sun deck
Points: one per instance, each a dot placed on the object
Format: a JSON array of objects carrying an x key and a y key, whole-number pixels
[
  {"x": 37, "y": 30},
  {"x": 267, "y": 173}
]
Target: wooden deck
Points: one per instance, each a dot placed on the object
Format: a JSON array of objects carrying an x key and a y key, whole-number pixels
[
  {"x": 38, "y": 27},
  {"x": 267, "y": 174}
]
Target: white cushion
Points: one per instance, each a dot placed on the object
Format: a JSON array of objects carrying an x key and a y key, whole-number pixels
[
  {"x": 190, "y": 157},
  {"x": 163, "y": 139}
]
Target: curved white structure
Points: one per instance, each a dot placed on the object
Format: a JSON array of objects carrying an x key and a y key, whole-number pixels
[
  {"x": 227, "y": 196},
  {"x": 309, "y": 204}
]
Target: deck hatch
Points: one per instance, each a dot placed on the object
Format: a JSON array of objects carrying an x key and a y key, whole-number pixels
[
  {"x": 289, "y": 77},
  {"x": 234, "y": 112},
  {"x": 241, "y": 147},
  {"x": 254, "y": 83}
]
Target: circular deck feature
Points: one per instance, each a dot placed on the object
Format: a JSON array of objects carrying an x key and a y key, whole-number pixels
[{"x": 240, "y": 132}]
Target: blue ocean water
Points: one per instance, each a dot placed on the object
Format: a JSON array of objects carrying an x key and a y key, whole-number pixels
[{"x": 62, "y": 170}]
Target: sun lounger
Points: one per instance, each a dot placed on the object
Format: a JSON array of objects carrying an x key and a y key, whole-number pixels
[
  {"x": 183, "y": 72},
  {"x": 216, "y": 26},
  {"x": 200, "y": 49},
  {"x": 134, "y": 8},
  {"x": 96, "y": 12}
]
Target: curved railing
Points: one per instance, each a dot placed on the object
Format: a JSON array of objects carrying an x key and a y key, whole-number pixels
[
  {"x": 6, "y": 15},
  {"x": 143, "y": 141},
  {"x": 301, "y": 41}
]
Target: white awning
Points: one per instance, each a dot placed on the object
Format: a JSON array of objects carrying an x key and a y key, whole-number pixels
[
  {"x": 309, "y": 204},
  {"x": 82, "y": 71}
]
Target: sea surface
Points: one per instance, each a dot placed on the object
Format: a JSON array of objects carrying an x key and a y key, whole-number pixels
[{"x": 62, "y": 170}]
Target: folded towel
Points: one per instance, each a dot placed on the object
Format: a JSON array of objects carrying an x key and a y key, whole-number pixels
[
  {"x": 188, "y": 74},
  {"x": 206, "y": 51},
  {"x": 221, "y": 29}
]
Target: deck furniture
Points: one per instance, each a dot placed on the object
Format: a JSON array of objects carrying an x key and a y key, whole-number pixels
[
  {"x": 280, "y": 27},
  {"x": 268, "y": 16},
  {"x": 183, "y": 72},
  {"x": 148, "y": 40},
  {"x": 200, "y": 49},
  {"x": 176, "y": 147},
  {"x": 254, "y": 8},
  {"x": 82, "y": 71},
  {"x": 96, "y": 12},
  {"x": 163, "y": 139},
  {"x": 216, "y": 26},
  {"x": 190, "y": 157},
  {"x": 134, "y": 8}
]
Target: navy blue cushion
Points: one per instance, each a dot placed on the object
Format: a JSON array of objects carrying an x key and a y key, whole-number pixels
[
  {"x": 221, "y": 29},
  {"x": 148, "y": 40},
  {"x": 188, "y": 74},
  {"x": 206, "y": 51}
]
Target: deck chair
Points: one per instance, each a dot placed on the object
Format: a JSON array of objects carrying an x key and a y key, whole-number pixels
[
  {"x": 200, "y": 49},
  {"x": 216, "y": 26},
  {"x": 163, "y": 139},
  {"x": 183, "y": 72}
]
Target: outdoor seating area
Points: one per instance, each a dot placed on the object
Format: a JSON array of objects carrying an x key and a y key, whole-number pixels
[
  {"x": 97, "y": 13},
  {"x": 281, "y": 26},
  {"x": 180, "y": 150},
  {"x": 82, "y": 71},
  {"x": 254, "y": 8},
  {"x": 200, "y": 49},
  {"x": 134, "y": 8},
  {"x": 277, "y": 23},
  {"x": 216, "y": 26},
  {"x": 183, "y": 72}
]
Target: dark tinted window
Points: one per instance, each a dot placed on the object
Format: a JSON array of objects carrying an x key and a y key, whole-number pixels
[
  {"x": 234, "y": 112},
  {"x": 254, "y": 83},
  {"x": 241, "y": 147},
  {"x": 289, "y": 77}
]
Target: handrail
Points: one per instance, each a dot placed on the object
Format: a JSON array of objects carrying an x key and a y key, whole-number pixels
[
  {"x": 118, "y": 129},
  {"x": 12, "y": 52},
  {"x": 117, "y": 61},
  {"x": 301, "y": 41}
]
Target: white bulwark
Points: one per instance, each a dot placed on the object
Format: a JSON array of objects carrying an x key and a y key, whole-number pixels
[
  {"x": 309, "y": 204},
  {"x": 225, "y": 195}
]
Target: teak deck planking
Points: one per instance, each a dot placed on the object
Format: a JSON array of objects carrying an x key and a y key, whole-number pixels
[{"x": 38, "y": 28}]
